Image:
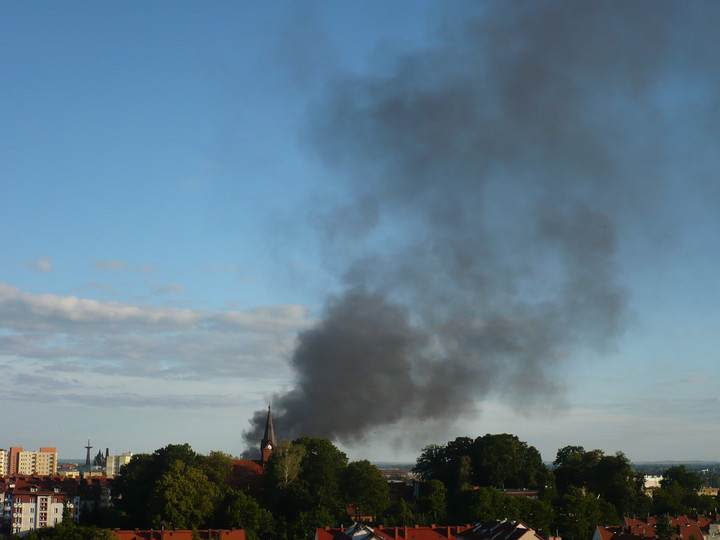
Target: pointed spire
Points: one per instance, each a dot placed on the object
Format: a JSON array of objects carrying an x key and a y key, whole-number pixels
[
  {"x": 269, "y": 429},
  {"x": 267, "y": 445}
]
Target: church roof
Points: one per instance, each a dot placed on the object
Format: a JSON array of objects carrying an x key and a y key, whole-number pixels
[{"x": 269, "y": 435}]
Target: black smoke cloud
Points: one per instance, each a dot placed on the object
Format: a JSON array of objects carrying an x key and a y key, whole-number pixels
[{"x": 488, "y": 181}]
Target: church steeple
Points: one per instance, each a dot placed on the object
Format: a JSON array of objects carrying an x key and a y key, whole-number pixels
[{"x": 267, "y": 445}]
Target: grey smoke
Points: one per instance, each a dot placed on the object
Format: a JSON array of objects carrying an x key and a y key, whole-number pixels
[{"x": 488, "y": 181}]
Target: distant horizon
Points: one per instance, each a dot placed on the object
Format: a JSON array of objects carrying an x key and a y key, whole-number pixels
[{"x": 412, "y": 463}]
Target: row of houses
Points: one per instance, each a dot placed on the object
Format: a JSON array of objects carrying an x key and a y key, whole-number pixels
[
  {"x": 31, "y": 502},
  {"x": 693, "y": 527},
  {"x": 492, "y": 530}
]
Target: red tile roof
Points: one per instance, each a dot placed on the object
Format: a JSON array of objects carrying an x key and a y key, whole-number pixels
[
  {"x": 216, "y": 534},
  {"x": 500, "y": 530},
  {"x": 395, "y": 533}
]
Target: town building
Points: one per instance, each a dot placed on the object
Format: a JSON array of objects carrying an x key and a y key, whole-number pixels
[
  {"x": 35, "y": 502},
  {"x": 499, "y": 530},
  {"x": 170, "y": 534},
  {"x": 361, "y": 531},
  {"x": 113, "y": 463},
  {"x": 16, "y": 460},
  {"x": 683, "y": 527}
]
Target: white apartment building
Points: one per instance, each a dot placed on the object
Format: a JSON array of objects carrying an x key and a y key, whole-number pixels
[
  {"x": 19, "y": 461},
  {"x": 28, "y": 506},
  {"x": 112, "y": 467}
]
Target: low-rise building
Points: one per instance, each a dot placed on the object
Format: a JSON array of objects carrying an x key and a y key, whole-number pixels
[
  {"x": 34, "y": 502},
  {"x": 499, "y": 530},
  {"x": 361, "y": 531},
  {"x": 170, "y": 534}
]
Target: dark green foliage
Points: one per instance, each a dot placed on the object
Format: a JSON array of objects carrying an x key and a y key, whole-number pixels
[
  {"x": 580, "y": 513},
  {"x": 183, "y": 498},
  {"x": 485, "y": 504},
  {"x": 314, "y": 496},
  {"x": 364, "y": 486},
  {"x": 501, "y": 461},
  {"x": 241, "y": 511},
  {"x": 684, "y": 478},
  {"x": 609, "y": 477},
  {"x": 217, "y": 466},
  {"x": 664, "y": 528},
  {"x": 285, "y": 464},
  {"x": 432, "y": 502},
  {"x": 678, "y": 493},
  {"x": 400, "y": 515}
]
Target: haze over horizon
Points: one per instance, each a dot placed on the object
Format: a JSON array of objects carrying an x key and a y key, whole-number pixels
[{"x": 396, "y": 223}]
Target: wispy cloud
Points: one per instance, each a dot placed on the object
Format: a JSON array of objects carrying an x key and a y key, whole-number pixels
[
  {"x": 122, "y": 266},
  {"x": 44, "y": 264},
  {"x": 227, "y": 268},
  {"x": 68, "y": 334},
  {"x": 164, "y": 288},
  {"x": 41, "y": 264},
  {"x": 113, "y": 266},
  {"x": 696, "y": 380}
]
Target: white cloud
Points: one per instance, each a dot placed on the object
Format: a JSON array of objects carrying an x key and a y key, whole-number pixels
[
  {"x": 115, "y": 265},
  {"x": 68, "y": 336},
  {"x": 122, "y": 266},
  {"x": 165, "y": 288},
  {"x": 228, "y": 268},
  {"x": 44, "y": 264}
]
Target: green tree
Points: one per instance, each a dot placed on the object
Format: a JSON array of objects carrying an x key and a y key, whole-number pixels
[
  {"x": 611, "y": 477},
  {"x": 217, "y": 466},
  {"x": 183, "y": 498},
  {"x": 482, "y": 504},
  {"x": 165, "y": 457},
  {"x": 432, "y": 502},
  {"x": 132, "y": 490},
  {"x": 365, "y": 487},
  {"x": 241, "y": 511},
  {"x": 500, "y": 460},
  {"x": 580, "y": 513},
  {"x": 401, "y": 515},
  {"x": 504, "y": 461},
  {"x": 685, "y": 479},
  {"x": 664, "y": 528},
  {"x": 285, "y": 463},
  {"x": 432, "y": 463},
  {"x": 321, "y": 471},
  {"x": 313, "y": 498}
]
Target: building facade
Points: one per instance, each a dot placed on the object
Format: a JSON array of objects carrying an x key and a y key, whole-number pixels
[
  {"x": 19, "y": 461},
  {"x": 34, "y": 503},
  {"x": 113, "y": 463}
]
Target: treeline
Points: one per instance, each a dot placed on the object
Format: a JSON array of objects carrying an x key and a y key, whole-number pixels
[
  {"x": 581, "y": 490},
  {"x": 310, "y": 483}
]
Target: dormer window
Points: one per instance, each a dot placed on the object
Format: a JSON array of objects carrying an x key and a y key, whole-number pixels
[{"x": 33, "y": 489}]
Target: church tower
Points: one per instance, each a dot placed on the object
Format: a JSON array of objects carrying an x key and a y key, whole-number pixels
[{"x": 267, "y": 445}]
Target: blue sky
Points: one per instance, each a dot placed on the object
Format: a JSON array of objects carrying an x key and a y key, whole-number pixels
[{"x": 160, "y": 200}]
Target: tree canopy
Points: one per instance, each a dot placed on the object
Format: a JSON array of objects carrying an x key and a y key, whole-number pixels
[{"x": 501, "y": 461}]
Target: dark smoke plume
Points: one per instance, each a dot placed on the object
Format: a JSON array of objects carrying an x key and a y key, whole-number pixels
[{"x": 487, "y": 181}]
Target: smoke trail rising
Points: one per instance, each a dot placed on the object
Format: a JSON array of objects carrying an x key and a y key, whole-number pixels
[{"x": 489, "y": 180}]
